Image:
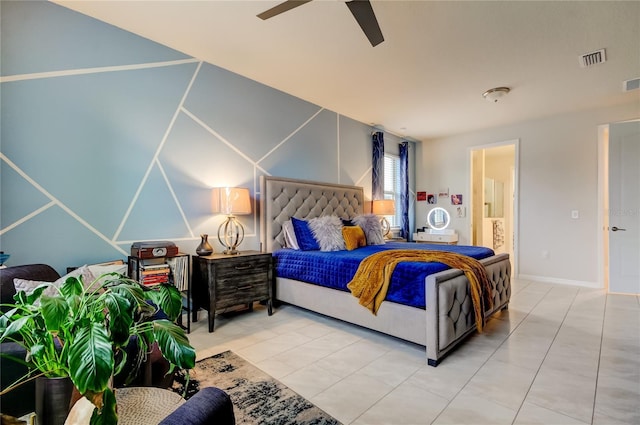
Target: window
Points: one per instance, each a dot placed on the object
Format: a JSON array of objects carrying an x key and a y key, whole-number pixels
[{"x": 392, "y": 185}]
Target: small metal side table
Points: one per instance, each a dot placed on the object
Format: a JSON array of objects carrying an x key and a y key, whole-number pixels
[{"x": 222, "y": 280}]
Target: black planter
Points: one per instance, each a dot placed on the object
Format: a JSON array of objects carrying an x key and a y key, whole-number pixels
[{"x": 53, "y": 396}]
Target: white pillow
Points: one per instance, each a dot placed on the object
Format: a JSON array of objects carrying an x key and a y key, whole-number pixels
[
  {"x": 372, "y": 227},
  {"x": 290, "y": 240},
  {"x": 327, "y": 231},
  {"x": 28, "y": 286}
]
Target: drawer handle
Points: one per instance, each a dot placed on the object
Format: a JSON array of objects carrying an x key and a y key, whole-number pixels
[
  {"x": 247, "y": 267},
  {"x": 244, "y": 288}
]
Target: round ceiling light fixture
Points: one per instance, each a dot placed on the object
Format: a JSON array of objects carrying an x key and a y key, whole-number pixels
[{"x": 493, "y": 95}]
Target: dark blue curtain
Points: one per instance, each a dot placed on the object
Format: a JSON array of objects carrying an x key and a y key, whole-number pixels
[
  {"x": 377, "y": 172},
  {"x": 404, "y": 190}
]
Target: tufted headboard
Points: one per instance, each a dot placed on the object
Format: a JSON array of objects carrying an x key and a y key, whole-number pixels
[{"x": 282, "y": 198}]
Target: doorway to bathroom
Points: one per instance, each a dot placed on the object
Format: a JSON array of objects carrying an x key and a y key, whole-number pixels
[{"x": 494, "y": 177}]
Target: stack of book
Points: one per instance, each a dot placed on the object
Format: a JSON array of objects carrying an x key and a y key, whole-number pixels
[{"x": 154, "y": 274}]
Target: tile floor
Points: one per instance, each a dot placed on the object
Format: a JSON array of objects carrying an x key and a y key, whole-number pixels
[{"x": 559, "y": 355}]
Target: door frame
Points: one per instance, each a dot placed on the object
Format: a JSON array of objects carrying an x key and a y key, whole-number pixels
[
  {"x": 516, "y": 194},
  {"x": 603, "y": 203}
]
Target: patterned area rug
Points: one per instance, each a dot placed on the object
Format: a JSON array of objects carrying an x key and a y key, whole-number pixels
[{"x": 257, "y": 397}]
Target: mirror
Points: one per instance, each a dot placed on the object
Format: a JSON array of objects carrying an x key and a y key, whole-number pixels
[
  {"x": 493, "y": 198},
  {"x": 438, "y": 218}
]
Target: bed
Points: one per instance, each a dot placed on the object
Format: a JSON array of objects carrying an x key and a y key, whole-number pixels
[{"x": 445, "y": 318}]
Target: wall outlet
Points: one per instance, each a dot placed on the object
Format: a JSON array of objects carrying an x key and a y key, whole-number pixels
[{"x": 575, "y": 214}]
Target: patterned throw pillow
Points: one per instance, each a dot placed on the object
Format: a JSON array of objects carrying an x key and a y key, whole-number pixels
[
  {"x": 372, "y": 227},
  {"x": 290, "y": 240},
  {"x": 353, "y": 237},
  {"x": 28, "y": 286},
  {"x": 327, "y": 231}
]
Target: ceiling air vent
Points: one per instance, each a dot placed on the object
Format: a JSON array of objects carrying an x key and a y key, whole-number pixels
[
  {"x": 593, "y": 58},
  {"x": 629, "y": 85}
]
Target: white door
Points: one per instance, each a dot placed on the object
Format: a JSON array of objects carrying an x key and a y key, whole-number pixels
[{"x": 624, "y": 207}]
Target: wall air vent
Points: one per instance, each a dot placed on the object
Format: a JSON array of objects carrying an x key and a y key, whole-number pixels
[
  {"x": 593, "y": 58},
  {"x": 633, "y": 84}
]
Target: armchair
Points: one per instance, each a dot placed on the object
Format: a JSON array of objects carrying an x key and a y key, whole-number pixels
[{"x": 19, "y": 401}]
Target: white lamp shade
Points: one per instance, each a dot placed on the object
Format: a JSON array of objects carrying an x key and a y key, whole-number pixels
[
  {"x": 383, "y": 207},
  {"x": 231, "y": 200}
]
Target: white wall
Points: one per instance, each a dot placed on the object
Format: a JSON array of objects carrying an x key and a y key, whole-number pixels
[{"x": 557, "y": 173}]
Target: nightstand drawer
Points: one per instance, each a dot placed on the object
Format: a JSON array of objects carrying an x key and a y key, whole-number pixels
[
  {"x": 242, "y": 267},
  {"x": 230, "y": 292}
]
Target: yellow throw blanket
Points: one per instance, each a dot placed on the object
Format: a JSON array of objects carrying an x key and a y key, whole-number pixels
[{"x": 371, "y": 281}]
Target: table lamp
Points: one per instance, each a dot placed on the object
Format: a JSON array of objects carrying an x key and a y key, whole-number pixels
[
  {"x": 384, "y": 207},
  {"x": 231, "y": 201}
]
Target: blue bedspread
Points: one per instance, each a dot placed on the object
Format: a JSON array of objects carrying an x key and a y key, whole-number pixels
[{"x": 336, "y": 269}]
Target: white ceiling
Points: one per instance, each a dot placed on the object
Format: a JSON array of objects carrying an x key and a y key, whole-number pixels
[{"x": 427, "y": 78}]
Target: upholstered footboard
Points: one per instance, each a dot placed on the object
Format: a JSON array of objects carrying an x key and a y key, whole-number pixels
[
  {"x": 450, "y": 315},
  {"x": 448, "y": 319}
]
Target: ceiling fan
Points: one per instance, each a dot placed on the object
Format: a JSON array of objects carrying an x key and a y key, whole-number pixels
[{"x": 360, "y": 9}]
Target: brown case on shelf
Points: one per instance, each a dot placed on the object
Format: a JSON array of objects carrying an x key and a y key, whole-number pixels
[{"x": 154, "y": 249}]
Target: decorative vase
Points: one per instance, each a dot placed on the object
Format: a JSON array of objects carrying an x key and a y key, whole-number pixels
[
  {"x": 53, "y": 396},
  {"x": 205, "y": 247}
]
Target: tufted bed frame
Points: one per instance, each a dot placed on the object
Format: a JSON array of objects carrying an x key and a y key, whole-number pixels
[{"x": 448, "y": 317}]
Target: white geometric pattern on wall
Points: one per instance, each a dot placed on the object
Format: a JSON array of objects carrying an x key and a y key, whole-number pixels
[
  {"x": 144, "y": 220},
  {"x": 95, "y": 158}
]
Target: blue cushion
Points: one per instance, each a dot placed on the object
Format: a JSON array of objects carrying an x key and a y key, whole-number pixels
[
  {"x": 210, "y": 405},
  {"x": 304, "y": 235},
  {"x": 347, "y": 222}
]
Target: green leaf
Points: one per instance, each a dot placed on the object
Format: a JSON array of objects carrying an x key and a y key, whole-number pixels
[
  {"x": 137, "y": 297},
  {"x": 38, "y": 350},
  {"x": 32, "y": 297},
  {"x": 74, "y": 302},
  {"x": 91, "y": 358},
  {"x": 72, "y": 286},
  {"x": 107, "y": 414},
  {"x": 120, "y": 317},
  {"x": 174, "y": 344},
  {"x": 121, "y": 362},
  {"x": 168, "y": 299},
  {"x": 134, "y": 294},
  {"x": 5, "y": 319},
  {"x": 55, "y": 312},
  {"x": 20, "y": 297},
  {"x": 15, "y": 327}
]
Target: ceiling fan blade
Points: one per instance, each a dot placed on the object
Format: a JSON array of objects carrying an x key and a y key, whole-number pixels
[
  {"x": 282, "y": 7},
  {"x": 363, "y": 12}
]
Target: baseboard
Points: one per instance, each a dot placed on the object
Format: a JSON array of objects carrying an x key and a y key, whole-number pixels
[{"x": 547, "y": 279}]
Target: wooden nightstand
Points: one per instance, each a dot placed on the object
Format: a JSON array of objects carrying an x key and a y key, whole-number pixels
[{"x": 220, "y": 281}]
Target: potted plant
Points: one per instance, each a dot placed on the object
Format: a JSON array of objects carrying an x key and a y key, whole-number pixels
[{"x": 81, "y": 332}]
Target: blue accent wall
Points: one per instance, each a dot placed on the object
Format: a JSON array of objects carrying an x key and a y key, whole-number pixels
[{"x": 108, "y": 138}]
